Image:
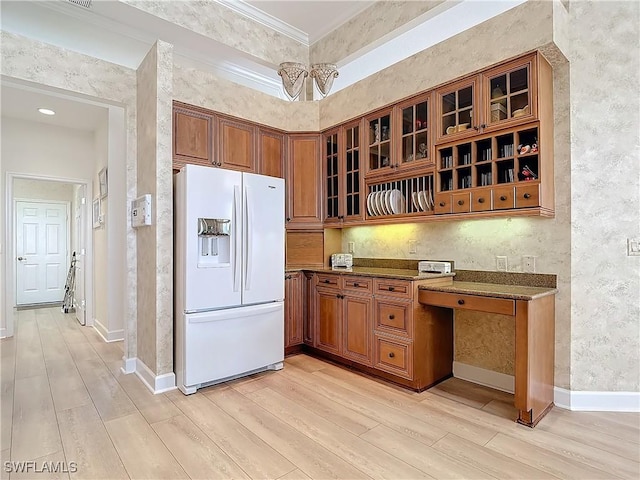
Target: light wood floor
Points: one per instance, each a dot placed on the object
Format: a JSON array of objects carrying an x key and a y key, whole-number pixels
[{"x": 64, "y": 398}]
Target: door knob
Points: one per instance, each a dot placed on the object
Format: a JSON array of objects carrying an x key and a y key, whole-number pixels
[{"x": 22, "y": 258}]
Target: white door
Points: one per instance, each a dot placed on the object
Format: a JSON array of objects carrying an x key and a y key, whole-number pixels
[
  {"x": 264, "y": 239},
  {"x": 79, "y": 295},
  {"x": 41, "y": 247}
]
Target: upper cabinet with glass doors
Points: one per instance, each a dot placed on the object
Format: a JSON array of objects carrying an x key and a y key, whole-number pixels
[
  {"x": 343, "y": 174},
  {"x": 415, "y": 137},
  {"x": 381, "y": 157},
  {"x": 500, "y": 97}
]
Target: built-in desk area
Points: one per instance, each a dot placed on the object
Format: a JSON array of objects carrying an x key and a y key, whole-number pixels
[{"x": 533, "y": 311}]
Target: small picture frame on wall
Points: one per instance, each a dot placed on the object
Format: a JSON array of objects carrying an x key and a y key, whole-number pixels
[
  {"x": 97, "y": 221},
  {"x": 102, "y": 180}
]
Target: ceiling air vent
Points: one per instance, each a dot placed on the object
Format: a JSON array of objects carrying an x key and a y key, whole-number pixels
[{"x": 82, "y": 3}]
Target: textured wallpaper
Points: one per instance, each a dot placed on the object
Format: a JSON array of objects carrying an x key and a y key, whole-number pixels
[
  {"x": 207, "y": 90},
  {"x": 370, "y": 26},
  {"x": 605, "y": 191},
  {"x": 223, "y": 25},
  {"x": 147, "y": 179}
]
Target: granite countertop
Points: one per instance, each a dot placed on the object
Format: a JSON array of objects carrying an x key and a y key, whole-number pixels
[
  {"x": 496, "y": 290},
  {"x": 398, "y": 273}
]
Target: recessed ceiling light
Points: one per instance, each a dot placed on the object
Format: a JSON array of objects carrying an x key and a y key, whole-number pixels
[{"x": 46, "y": 111}]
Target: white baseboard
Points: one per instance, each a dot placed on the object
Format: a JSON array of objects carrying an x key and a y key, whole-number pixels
[
  {"x": 108, "y": 336},
  {"x": 482, "y": 376},
  {"x": 597, "y": 401},
  {"x": 155, "y": 383},
  {"x": 128, "y": 365}
]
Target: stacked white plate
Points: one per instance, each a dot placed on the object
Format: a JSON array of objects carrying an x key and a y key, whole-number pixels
[
  {"x": 386, "y": 202},
  {"x": 422, "y": 200}
]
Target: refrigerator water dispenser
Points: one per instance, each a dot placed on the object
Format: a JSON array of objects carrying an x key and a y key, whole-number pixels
[{"x": 214, "y": 242}]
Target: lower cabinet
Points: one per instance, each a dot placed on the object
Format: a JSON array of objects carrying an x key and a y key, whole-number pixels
[
  {"x": 378, "y": 324},
  {"x": 293, "y": 309},
  {"x": 343, "y": 317}
]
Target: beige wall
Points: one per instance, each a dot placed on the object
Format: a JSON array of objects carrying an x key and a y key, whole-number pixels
[{"x": 155, "y": 293}]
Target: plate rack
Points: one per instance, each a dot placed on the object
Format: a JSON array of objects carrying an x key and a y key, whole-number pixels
[{"x": 409, "y": 196}]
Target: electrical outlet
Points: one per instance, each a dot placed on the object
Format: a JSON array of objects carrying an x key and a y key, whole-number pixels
[
  {"x": 501, "y": 263},
  {"x": 413, "y": 246},
  {"x": 351, "y": 246},
  {"x": 528, "y": 263},
  {"x": 633, "y": 247}
]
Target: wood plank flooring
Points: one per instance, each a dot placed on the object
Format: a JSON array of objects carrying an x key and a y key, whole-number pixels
[{"x": 65, "y": 399}]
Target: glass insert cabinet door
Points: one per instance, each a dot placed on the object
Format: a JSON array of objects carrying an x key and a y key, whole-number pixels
[
  {"x": 457, "y": 108},
  {"x": 380, "y": 142},
  {"x": 509, "y": 95},
  {"x": 332, "y": 175},
  {"x": 352, "y": 170},
  {"x": 415, "y": 133}
]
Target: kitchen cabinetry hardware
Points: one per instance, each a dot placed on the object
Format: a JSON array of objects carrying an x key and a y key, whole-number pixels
[
  {"x": 460, "y": 202},
  {"x": 481, "y": 200},
  {"x": 461, "y": 302},
  {"x": 527, "y": 195},
  {"x": 391, "y": 317},
  {"x": 503, "y": 198},
  {"x": 391, "y": 354},
  {"x": 288, "y": 219}
]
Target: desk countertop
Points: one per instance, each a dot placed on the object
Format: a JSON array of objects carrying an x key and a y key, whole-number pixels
[
  {"x": 513, "y": 292},
  {"x": 397, "y": 273}
]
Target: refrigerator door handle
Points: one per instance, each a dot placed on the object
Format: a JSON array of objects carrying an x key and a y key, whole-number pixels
[
  {"x": 237, "y": 245},
  {"x": 248, "y": 239}
]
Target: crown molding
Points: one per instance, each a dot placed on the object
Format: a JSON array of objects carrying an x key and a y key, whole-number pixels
[{"x": 265, "y": 19}]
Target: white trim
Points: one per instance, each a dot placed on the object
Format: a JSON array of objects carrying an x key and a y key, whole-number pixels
[
  {"x": 108, "y": 336},
  {"x": 155, "y": 383},
  {"x": 267, "y": 20},
  {"x": 482, "y": 376},
  {"x": 597, "y": 401},
  {"x": 3, "y": 332},
  {"x": 128, "y": 365}
]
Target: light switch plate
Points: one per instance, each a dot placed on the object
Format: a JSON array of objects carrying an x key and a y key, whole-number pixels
[
  {"x": 528, "y": 264},
  {"x": 633, "y": 247},
  {"x": 413, "y": 246},
  {"x": 351, "y": 247},
  {"x": 501, "y": 263}
]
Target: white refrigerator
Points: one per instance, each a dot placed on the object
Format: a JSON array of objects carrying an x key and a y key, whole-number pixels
[{"x": 229, "y": 275}]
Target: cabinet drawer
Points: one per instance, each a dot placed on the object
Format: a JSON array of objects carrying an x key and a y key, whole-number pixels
[
  {"x": 394, "y": 317},
  {"x": 358, "y": 284},
  {"x": 481, "y": 201},
  {"x": 329, "y": 281},
  {"x": 468, "y": 302},
  {"x": 528, "y": 195},
  {"x": 502, "y": 198},
  {"x": 460, "y": 202},
  {"x": 442, "y": 203},
  {"x": 394, "y": 356},
  {"x": 394, "y": 288}
]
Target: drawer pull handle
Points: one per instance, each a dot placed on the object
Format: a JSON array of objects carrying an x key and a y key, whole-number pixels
[
  {"x": 392, "y": 316},
  {"x": 288, "y": 219},
  {"x": 391, "y": 354},
  {"x": 391, "y": 289},
  {"x": 356, "y": 284},
  {"x": 503, "y": 198},
  {"x": 481, "y": 200},
  {"x": 527, "y": 195},
  {"x": 460, "y": 202},
  {"x": 442, "y": 204},
  {"x": 460, "y": 302},
  {"x": 327, "y": 280}
]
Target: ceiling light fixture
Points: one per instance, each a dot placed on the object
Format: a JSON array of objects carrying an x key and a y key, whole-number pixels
[
  {"x": 293, "y": 75},
  {"x": 46, "y": 111}
]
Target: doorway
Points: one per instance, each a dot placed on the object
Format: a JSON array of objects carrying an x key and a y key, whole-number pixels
[{"x": 42, "y": 249}]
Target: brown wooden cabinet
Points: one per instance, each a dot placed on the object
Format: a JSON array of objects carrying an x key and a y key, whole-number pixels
[
  {"x": 343, "y": 174},
  {"x": 192, "y": 135},
  {"x": 343, "y": 317},
  {"x": 304, "y": 189},
  {"x": 237, "y": 145},
  {"x": 377, "y": 325},
  {"x": 293, "y": 309},
  {"x": 414, "y": 131},
  {"x": 271, "y": 152},
  {"x": 379, "y": 145}
]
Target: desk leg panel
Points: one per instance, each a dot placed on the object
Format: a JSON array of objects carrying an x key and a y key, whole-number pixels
[{"x": 534, "y": 362}]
